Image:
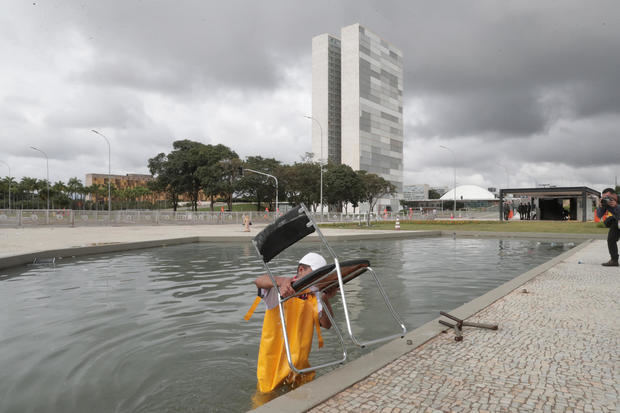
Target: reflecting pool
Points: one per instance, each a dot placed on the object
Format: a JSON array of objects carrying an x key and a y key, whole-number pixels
[{"x": 160, "y": 330}]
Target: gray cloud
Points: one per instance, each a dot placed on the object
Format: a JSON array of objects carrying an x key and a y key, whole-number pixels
[{"x": 523, "y": 83}]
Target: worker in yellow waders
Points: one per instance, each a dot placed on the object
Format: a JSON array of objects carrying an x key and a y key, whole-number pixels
[{"x": 303, "y": 315}]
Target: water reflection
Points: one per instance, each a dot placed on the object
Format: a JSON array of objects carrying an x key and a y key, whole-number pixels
[{"x": 161, "y": 329}]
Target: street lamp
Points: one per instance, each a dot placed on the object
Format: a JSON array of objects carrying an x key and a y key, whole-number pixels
[
  {"x": 454, "y": 156},
  {"x": 270, "y": 176},
  {"x": 47, "y": 168},
  {"x": 7, "y": 165},
  {"x": 321, "y": 159},
  {"x": 109, "y": 174}
]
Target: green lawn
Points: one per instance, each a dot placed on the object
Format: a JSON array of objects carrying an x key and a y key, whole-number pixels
[{"x": 563, "y": 227}]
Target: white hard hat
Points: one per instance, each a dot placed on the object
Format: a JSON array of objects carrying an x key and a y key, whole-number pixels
[{"x": 313, "y": 260}]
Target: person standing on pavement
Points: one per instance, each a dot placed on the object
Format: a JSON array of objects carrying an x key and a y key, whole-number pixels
[{"x": 609, "y": 213}]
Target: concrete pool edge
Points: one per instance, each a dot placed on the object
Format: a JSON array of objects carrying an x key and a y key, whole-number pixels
[
  {"x": 96, "y": 248},
  {"x": 324, "y": 387},
  {"x": 110, "y": 247},
  {"x": 28, "y": 256}
]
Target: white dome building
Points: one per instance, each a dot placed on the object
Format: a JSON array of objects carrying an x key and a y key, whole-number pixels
[{"x": 468, "y": 193}]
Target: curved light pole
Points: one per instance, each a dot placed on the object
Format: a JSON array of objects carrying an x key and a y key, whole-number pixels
[
  {"x": 321, "y": 159},
  {"x": 47, "y": 168},
  {"x": 454, "y": 156},
  {"x": 109, "y": 174},
  {"x": 270, "y": 176},
  {"x": 7, "y": 165}
]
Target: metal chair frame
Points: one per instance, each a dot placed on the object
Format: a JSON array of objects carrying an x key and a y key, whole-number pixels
[{"x": 340, "y": 282}]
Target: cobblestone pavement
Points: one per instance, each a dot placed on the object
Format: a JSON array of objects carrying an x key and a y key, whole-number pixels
[{"x": 556, "y": 350}]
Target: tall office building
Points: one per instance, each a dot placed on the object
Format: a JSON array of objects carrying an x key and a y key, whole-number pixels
[
  {"x": 357, "y": 89},
  {"x": 326, "y": 98}
]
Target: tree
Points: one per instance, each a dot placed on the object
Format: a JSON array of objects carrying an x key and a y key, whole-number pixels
[
  {"x": 189, "y": 157},
  {"x": 140, "y": 193},
  {"x": 8, "y": 186},
  {"x": 59, "y": 195},
  {"x": 229, "y": 178},
  {"x": 342, "y": 185},
  {"x": 433, "y": 194},
  {"x": 74, "y": 186},
  {"x": 301, "y": 183},
  {"x": 28, "y": 186},
  {"x": 218, "y": 172},
  {"x": 167, "y": 177},
  {"x": 374, "y": 188},
  {"x": 260, "y": 187}
]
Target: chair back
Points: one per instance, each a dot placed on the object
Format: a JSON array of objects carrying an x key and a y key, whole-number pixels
[{"x": 283, "y": 232}]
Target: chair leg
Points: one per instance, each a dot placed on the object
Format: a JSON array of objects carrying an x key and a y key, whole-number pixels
[
  {"x": 288, "y": 348},
  {"x": 387, "y": 303}
]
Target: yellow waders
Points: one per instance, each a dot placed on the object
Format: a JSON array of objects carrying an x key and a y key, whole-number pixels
[{"x": 301, "y": 319}]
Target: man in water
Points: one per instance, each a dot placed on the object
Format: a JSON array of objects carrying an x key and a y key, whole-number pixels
[
  {"x": 303, "y": 314},
  {"x": 609, "y": 213}
]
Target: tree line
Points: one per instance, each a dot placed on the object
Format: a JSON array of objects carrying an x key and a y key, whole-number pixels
[
  {"x": 193, "y": 170},
  {"x": 216, "y": 171},
  {"x": 31, "y": 193}
]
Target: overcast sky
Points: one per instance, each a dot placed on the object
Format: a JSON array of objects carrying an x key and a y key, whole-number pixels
[{"x": 523, "y": 92}]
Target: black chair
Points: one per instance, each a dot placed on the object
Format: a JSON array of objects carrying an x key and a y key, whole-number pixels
[{"x": 286, "y": 231}]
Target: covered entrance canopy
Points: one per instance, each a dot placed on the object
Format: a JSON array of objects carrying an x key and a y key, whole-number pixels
[{"x": 578, "y": 195}]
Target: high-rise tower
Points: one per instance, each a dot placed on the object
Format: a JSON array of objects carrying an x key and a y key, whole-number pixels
[
  {"x": 357, "y": 91},
  {"x": 326, "y": 98}
]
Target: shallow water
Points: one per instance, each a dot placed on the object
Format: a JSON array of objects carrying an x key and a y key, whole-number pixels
[{"x": 161, "y": 330}]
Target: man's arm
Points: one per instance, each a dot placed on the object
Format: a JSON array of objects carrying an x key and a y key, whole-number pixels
[
  {"x": 325, "y": 296},
  {"x": 614, "y": 208},
  {"x": 284, "y": 284}
]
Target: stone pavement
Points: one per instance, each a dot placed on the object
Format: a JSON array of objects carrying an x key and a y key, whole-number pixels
[
  {"x": 20, "y": 245},
  {"x": 557, "y": 350}
]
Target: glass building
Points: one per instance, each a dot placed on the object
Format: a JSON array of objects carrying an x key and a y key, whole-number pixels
[{"x": 357, "y": 89}]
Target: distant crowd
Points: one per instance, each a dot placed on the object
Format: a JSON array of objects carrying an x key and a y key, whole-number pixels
[{"x": 526, "y": 211}]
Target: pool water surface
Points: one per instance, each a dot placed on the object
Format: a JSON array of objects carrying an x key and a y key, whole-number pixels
[{"x": 162, "y": 329}]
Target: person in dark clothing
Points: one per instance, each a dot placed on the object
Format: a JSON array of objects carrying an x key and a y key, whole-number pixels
[
  {"x": 609, "y": 213},
  {"x": 528, "y": 209}
]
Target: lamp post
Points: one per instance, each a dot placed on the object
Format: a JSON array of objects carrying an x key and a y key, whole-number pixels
[
  {"x": 454, "y": 156},
  {"x": 47, "y": 168},
  {"x": 270, "y": 176},
  {"x": 321, "y": 159},
  {"x": 109, "y": 174},
  {"x": 7, "y": 165}
]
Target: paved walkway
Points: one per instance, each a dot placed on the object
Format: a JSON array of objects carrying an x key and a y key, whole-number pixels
[
  {"x": 557, "y": 350},
  {"x": 15, "y": 241},
  {"x": 20, "y": 245}
]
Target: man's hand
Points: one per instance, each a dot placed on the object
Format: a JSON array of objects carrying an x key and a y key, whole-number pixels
[
  {"x": 330, "y": 292},
  {"x": 613, "y": 199},
  {"x": 284, "y": 284}
]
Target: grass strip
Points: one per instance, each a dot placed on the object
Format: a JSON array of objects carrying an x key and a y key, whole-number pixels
[{"x": 562, "y": 227}]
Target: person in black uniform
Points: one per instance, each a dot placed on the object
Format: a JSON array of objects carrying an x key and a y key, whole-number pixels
[{"x": 609, "y": 213}]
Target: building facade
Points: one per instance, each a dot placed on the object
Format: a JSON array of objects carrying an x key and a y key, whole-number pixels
[
  {"x": 120, "y": 182},
  {"x": 416, "y": 192},
  {"x": 326, "y": 131},
  {"x": 365, "y": 131}
]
